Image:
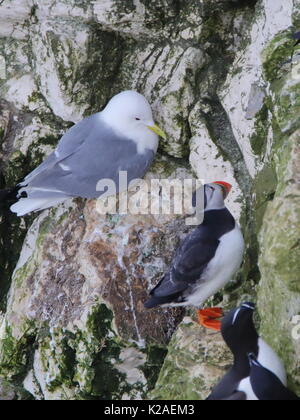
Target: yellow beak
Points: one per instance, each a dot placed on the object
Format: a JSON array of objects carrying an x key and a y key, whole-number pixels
[{"x": 157, "y": 130}]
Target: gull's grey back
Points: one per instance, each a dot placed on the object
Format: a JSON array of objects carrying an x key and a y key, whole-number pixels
[{"x": 87, "y": 153}]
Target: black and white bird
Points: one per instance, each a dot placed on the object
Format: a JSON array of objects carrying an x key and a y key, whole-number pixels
[
  {"x": 241, "y": 337},
  {"x": 123, "y": 137},
  {"x": 205, "y": 261},
  {"x": 266, "y": 385}
]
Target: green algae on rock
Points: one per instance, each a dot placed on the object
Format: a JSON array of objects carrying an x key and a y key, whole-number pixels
[
  {"x": 216, "y": 73},
  {"x": 195, "y": 361}
]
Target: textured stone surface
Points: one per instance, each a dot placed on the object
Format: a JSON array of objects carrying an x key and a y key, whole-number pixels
[
  {"x": 261, "y": 97},
  {"x": 196, "y": 360},
  {"x": 279, "y": 289},
  {"x": 81, "y": 280},
  {"x": 216, "y": 73},
  {"x": 6, "y": 391}
]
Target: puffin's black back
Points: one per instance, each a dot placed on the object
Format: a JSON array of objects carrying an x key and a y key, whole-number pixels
[
  {"x": 191, "y": 258},
  {"x": 266, "y": 386}
]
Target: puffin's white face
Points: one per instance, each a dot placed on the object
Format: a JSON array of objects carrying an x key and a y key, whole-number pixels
[
  {"x": 130, "y": 114},
  {"x": 215, "y": 195}
]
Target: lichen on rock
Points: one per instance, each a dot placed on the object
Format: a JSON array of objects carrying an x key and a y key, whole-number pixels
[
  {"x": 221, "y": 83},
  {"x": 278, "y": 295},
  {"x": 195, "y": 361}
]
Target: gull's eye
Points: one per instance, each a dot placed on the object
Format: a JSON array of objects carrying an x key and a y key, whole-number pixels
[{"x": 138, "y": 119}]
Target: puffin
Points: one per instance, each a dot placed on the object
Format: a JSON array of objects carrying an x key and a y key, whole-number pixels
[
  {"x": 240, "y": 335},
  {"x": 205, "y": 261},
  {"x": 265, "y": 385}
]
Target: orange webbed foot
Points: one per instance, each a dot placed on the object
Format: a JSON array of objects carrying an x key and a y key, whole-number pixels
[{"x": 208, "y": 318}]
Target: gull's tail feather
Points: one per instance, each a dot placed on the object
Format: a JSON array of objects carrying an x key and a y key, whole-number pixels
[
  {"x": 27, "y": 205},
  {"x": 37, "y": 199}
]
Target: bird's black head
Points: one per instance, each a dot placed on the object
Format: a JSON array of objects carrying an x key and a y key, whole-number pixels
[{"x": 238, "y": 330}]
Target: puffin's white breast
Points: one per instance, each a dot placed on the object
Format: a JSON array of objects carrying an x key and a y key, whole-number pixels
[{"x": 222, "y": 267}]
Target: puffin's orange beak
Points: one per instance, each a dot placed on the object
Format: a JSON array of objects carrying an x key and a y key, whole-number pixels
[{"x": 227, "y": 187}]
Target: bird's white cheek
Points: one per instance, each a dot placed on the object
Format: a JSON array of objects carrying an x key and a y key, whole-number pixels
[
  {"x": 147, "y": 140},
  {"x": 144, "y": 138}
]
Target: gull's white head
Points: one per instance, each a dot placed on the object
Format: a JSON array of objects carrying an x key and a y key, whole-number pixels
[{"x": 130, "y": 115}]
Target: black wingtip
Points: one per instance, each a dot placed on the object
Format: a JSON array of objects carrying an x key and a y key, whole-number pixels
[
  {"x": 151, "y": 303},
  {"x": 155, "y": 301}
]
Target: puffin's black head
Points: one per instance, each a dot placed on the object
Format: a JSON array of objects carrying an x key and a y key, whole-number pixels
[
  {"x": 215, "y": 194},
  {"x": 238, "y": 330}
]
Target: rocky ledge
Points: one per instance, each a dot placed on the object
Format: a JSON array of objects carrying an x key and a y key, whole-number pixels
[{"x": 221, "y": 81}]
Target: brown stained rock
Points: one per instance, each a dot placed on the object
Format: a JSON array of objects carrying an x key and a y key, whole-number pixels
[
  {"x": 11, "y": 123},
  {"x": 122, "y": 255},
  {"x": 84, "y": 258},
  {"x": 56, "y": 285}
]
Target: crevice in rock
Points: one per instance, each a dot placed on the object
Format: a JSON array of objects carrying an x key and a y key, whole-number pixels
[
  {"x": 167, "y": 24},
  {"x": 219, "y": 127},
  {"x": 212, "y": 77},
  {"x": 11, "y": 241},
  {"x": 236, "y": 4}
]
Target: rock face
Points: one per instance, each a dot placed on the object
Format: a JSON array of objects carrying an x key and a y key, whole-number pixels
[
  {"x": 222, "y": 84},
  {"x": 195, "y": 359}
]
